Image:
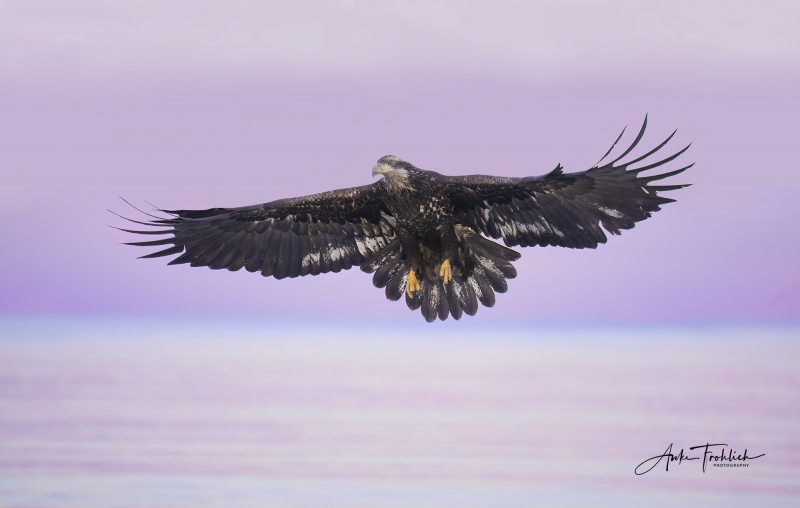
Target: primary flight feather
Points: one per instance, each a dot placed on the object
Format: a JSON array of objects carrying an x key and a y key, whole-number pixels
[{"x": 423, "y": 234}]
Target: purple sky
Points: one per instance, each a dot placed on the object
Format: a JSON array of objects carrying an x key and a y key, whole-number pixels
[{"x": 200, "y": 104}]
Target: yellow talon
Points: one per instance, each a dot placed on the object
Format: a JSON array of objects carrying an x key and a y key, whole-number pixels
[
  {"x": 412, "y": 284},
  {"x": 445, "y": 272}
]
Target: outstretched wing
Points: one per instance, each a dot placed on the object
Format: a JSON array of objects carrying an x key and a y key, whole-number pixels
[
  {"x": 561, "y": 209},
  {"x": 322, "y": 233}
]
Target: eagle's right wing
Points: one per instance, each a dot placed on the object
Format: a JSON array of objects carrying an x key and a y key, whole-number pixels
[
  {"x": 561, "y": 209},
  {"x": 325, "y": 232}
]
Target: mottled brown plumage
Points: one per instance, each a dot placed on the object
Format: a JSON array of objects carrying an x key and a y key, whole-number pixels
[{"x": 422, "y": 234}]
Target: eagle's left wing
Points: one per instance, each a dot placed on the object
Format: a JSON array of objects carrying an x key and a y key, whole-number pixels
[
  {"x": 325, "y": 232},
  {"x": 561, "y": 209}
]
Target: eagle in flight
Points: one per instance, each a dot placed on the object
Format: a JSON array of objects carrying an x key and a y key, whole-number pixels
[{"x": 424, "y": 235}]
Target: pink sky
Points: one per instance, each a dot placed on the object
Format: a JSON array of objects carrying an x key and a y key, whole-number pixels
[{"x": 200, "y": 104}]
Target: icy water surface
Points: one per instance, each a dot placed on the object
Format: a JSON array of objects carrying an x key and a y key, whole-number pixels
[{"x": 123, "y": 413}]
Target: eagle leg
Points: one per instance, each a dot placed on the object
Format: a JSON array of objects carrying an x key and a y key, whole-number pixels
[
  {"x": 411, "y": 250},
  {"x": 412, "y": 285},
  {"x": 445, "y": 272},
  {"x": 449, "y": 249}
]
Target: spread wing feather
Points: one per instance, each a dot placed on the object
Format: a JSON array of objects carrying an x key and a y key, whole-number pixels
[
  {"x": 326, "y": 232},
  {"x": 561, "y": 209}
]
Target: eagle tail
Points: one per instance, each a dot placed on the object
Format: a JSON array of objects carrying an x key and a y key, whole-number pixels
[
  {"x": 489, "y": 267},
  {"x": 492, "y": 268}
]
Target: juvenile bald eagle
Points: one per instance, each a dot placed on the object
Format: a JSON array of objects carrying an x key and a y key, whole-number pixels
[{"x": 420, "y": 232}]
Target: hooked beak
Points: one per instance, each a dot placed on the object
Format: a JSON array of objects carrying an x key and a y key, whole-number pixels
[{"x": 380, "y": 169}]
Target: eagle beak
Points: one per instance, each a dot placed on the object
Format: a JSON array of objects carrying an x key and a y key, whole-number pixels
[{"x": 380, "y": 169}]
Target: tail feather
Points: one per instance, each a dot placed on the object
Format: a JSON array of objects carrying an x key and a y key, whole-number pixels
[
  {"x": 383, "y": 256},
  {"x": 416, "y": 302},
  {"x": 492, "y": 250},
  {"x": 429, "y": 304},
  {"x": 455, "y": 294},
  {"x": 494, "y": 275},
  {"x": 490, "y": 265},
  {"x": 384, "y": 274},
  {"x": 397, "y": 284},
  {"x": 466, "y": 297},
  {"x": 438, "y": 298},
  {"x": 482, "y": 288},
  {"x": 453, "y": 301}
]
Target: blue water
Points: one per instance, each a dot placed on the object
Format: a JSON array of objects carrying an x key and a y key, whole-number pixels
[{"x": 103, "y": 413}]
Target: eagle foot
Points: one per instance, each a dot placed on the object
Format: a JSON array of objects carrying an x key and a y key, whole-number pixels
[
  {"x": 445, "y": 272},
  {"x": 412, "y": 285}
]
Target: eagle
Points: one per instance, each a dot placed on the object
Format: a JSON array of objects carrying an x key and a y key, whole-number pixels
[{"x": 425, "y": 237}]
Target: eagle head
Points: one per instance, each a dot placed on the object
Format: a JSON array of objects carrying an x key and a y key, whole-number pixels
[{"x": 394, "y": 169}]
